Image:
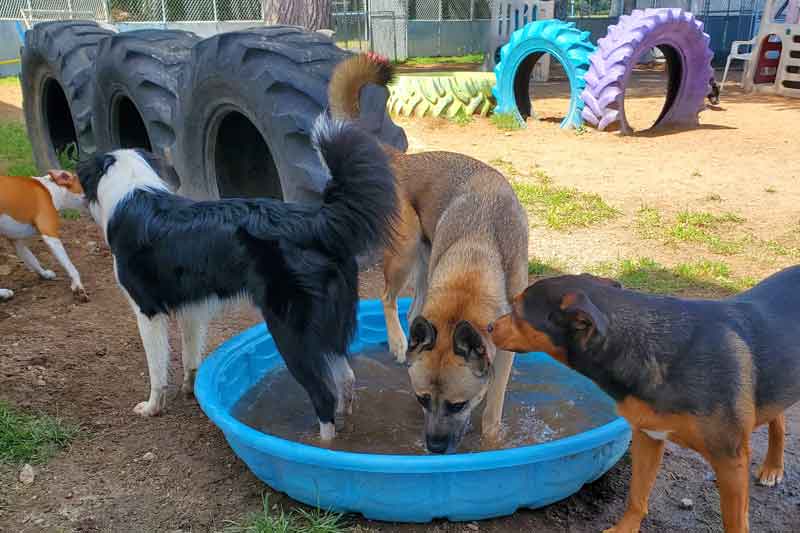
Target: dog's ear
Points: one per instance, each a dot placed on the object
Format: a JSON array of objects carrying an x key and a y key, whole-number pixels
[
  {"x": 61, "y": 177},
  {"x": 108, "y": 160},
  {"x": 422, "y": 335},
  {"x": 578, "y": 313},
  {"x": 469, "y": 344}
]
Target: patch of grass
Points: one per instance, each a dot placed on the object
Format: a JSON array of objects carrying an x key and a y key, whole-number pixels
[
  {"x": 461, "y": 118},
  {"x": 276, "y": 520},
  {"x": 648, "y": 222},
  {"x": 703, "y": 227},
  {"x": 505, "y": 121},
  {"x": 68, "y": 157},
  {"x": 443, "y": 60},
  {"x": 713, "y": 197},
  {"x": 70, "y": 214},
  {"x": 771, "y": 190},
  {"x": 9, "y": 80},
  {"x": 696, "y": 174},
  {"x": 26, "y": 438},
  {"x": 15, "y": 149},
  {"x": 506, "y": 167},
  {"x": 581, "y": 130},
  {"x": 561, "y": 208},
  {"x": 539, "y": 268},
  {"x": 647, "y": 275}
]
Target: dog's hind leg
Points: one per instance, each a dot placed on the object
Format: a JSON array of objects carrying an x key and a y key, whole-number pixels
[
  {"x": 420, "y": 280},
  {"x": 398, "y": 260},
  {"x": 771, "y": 472},
  {"x": 155, "y": 338},
  {"x": 646, "y": 454},
  {"x": 194, "y": 326},
  {"x": 31, "y": 262}
]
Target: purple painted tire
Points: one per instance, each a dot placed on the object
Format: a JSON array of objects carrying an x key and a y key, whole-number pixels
[{"x": 679, "y": 35}]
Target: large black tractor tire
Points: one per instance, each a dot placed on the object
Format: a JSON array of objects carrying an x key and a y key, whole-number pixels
[
  {"x": 138, "y": 79},
  {"x": 57, "y": 85},
  {"x": 248, "y": 111}
]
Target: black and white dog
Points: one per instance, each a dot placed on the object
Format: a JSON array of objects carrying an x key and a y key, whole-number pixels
[{"x": 295, "y": 262}]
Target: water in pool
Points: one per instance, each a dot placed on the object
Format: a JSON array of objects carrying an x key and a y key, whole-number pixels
[{"x": 544, "y": 402}]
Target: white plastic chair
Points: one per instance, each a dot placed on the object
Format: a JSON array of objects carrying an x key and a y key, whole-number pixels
[{"x": 735, "y": 54}]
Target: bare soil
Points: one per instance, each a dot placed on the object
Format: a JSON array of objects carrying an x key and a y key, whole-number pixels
[{"x": 85, "y": 361}]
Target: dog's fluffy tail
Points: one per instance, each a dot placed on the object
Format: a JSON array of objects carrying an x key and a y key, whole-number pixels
[
  {"x": 350, "y": 76},
  {"x": 360, "y": 202}
]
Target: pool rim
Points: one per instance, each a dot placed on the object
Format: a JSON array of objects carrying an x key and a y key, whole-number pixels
[{"x": 206, "y": 394}]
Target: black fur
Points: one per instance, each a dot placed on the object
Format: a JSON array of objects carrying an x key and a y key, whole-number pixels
[
  {"x": 713, "y": 95},
  {"x": 91, "y": 170},
  {"x": 295, "y": 261},
  {"x": 678, "y": 355}
]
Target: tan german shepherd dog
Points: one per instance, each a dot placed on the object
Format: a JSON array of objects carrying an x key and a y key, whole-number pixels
[{"x": 462, "y": 236}]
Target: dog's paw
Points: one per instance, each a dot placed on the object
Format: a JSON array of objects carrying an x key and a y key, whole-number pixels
[
  {"x": 399, "y": 347},
  {"x": 80, "y": 294},
  {"x": 769, "y": 476},
  {"x": 47, "y": 274},
  {"x": 147, "y": 409},
  {"x": 621, "y": 529},
  {"x": 187, "y": 388},
  {"x": 6, "y": 294}
]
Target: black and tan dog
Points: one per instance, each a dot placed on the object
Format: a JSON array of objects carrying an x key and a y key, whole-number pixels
[
  {"x": 463, "y": 238},
  {"x": 701, "y": 373}
]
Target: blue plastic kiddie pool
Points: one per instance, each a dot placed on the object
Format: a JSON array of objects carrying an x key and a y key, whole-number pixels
[{"x": 400, "y": 488}]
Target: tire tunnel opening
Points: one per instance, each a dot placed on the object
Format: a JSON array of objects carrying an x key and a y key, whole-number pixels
[
  {"x": 240, "y": 159},
  {"x": 58, "y": 119},
  {"x": 552, "y": 96},
  {"x": 127, "y": 125},
  {"x": 653, "y": 88}
]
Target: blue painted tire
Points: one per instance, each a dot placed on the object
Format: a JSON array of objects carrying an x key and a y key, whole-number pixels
[{"x": 563, "y": 41}]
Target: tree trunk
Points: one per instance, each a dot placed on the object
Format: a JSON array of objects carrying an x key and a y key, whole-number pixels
[{"x": 310, "y": 14}]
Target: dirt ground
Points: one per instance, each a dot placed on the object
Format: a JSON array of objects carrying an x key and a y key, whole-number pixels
[{"x": 85, "y": 361}]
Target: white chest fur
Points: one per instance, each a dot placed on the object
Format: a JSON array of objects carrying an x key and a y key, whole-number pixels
[{"x": 657, "y": 435}]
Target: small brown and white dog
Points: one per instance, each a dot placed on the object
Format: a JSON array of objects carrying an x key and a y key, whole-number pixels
[{"x": 30, "y": 205}]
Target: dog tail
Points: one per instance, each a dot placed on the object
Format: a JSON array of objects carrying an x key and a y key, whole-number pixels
[
  {"x": 360, "y": 202},
  {"x": 350, "y": 76}
]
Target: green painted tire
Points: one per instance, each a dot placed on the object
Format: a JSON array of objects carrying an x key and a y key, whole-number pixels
[{"x": 469, "y": 93}]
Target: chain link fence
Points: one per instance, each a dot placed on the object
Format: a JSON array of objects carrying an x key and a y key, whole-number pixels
[{"x": 36, "y": 10}]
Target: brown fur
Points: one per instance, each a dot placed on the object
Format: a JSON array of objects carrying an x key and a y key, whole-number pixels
[
  {"x": 28, "y": 202},
  {"x": 462, "y": 236},
  {"x": 721, "y": 436},
  {"x": 350, "y": 76}
]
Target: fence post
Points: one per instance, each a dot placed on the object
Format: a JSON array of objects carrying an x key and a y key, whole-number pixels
[
  {"x": 216, "y": 13},
  {"x": 164, "y": 12},
  {"x": 69, "y": 9}
]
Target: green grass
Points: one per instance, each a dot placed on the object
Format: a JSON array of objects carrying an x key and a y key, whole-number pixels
[
  {"x": 771, "y": 190},
  {"x": 505, "y": 121},
  {"x": 713, "y": 197},
  {"x": 645, "y": 274},
  {"x": 443, "y": 60},
  {"x": 17, "y": 156},
  {"x": 276, "y": 520},
  {"x": 9, "y": 80},
  {"x": 539, "y": 268},
  {"x": 26, "y": 438},
  {"x": 562, "y": 208},
  {"x": 691, "y": 226},
  {"x": 581, "y": 131},
  {"x": 15, "y": 150},
  {"x": 70, "y": 214},
  {"x": 461, "y": 118},
  {"x": 703, "y": 227}
]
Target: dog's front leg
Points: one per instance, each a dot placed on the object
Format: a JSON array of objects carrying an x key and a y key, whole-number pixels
[
  {"x": 733, "y": 481},
  {"x": 31, "y": 262},
  {"x": 54, "y": 243},
  {"x": 495, "y": 397},
  {"x": 646, "y": 454},
  {"x": 155, "y": 339}
]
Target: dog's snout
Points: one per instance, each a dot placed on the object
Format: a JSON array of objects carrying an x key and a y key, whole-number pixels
[{"x": 437, "y": 443}]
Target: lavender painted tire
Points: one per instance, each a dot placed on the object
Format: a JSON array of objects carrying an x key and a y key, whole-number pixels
[{"x": 679, "y": 35}]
